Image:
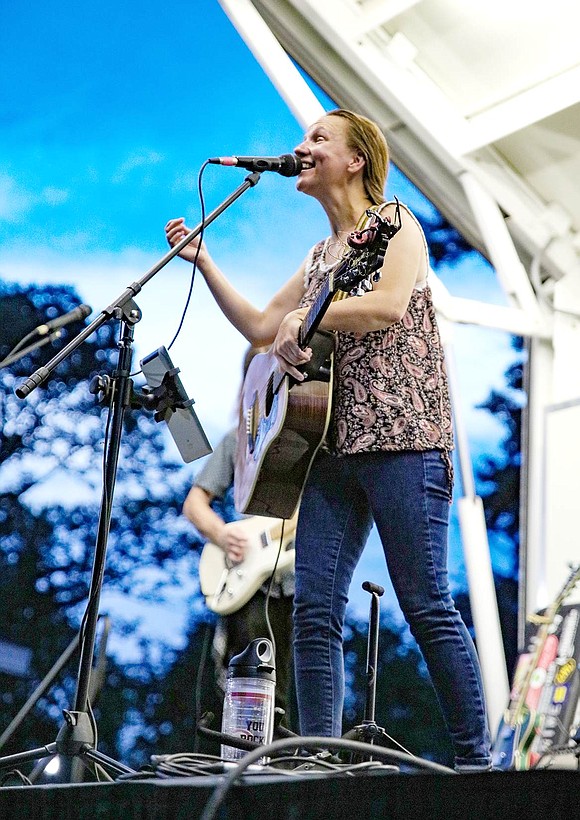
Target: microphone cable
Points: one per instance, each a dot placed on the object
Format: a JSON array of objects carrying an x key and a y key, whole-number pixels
[
  {"x": 194, "y": 268},
  {"x": 269, "y": 591}
]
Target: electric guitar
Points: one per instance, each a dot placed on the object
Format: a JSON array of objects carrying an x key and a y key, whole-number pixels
[
  {"x": 226, "y": 585},
  {"x": 284, "y": 422},
  {"x": 520, "y": 722}
]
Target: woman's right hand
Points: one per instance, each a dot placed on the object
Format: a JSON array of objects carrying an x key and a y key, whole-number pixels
[
  {"x": 175, "y": 230},
  {"x": 285, "y": 346}
]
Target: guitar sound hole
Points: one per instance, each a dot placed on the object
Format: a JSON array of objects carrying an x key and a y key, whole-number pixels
[{"x": 269, "y": 400}]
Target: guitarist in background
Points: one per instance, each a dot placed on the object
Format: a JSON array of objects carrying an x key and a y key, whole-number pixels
[
  {"x": 387, "y": 456},
  {"x": 209, "y": 507}
]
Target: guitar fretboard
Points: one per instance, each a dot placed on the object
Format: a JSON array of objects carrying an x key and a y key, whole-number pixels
[{"x": 314, "y": 315}]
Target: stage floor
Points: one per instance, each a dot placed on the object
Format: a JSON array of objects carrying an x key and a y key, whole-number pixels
[{"x": 553, "y": 794}]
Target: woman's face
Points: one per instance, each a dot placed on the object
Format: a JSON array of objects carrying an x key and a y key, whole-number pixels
[{"x": 325, "y": 155}]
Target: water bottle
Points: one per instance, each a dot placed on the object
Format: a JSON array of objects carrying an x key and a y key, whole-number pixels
[{"x": 249, "y": 698}]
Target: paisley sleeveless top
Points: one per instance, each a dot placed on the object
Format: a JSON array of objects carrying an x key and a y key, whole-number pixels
[{"x": 390, "y": 389}]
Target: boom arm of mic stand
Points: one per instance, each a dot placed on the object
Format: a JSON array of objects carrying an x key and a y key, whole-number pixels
[
  {"x": 26, "y": 350},
  {"x": 42, "y": 373}
]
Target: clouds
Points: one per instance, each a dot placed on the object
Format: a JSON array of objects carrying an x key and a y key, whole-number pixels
[
  {"x": 208, "y": 351},
  {"x": 16, "y": 200},
  {"x": 137, "y": 161}
]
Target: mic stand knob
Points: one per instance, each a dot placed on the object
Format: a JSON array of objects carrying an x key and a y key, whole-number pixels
[{"x": 100, "y": 386}]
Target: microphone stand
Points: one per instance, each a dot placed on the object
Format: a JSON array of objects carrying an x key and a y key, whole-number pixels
[
  {"x": 19, "y": 354},
  {"x": 77, "y": 736},
  {"x": 369, "y": 731}
]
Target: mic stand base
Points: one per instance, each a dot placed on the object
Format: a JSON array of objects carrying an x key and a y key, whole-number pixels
[{"x": 370, "y": 732}]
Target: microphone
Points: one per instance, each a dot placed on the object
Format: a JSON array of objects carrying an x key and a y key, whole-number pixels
[
  {"x": 288, "y": 165},
  {"x": 80, "y": 312}
]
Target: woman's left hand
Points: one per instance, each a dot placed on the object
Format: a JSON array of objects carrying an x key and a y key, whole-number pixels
[{"x": 285, "y": 346}]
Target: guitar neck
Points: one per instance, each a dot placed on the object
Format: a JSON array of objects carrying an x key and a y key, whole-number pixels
[
  {"x": 367, "y": 249},
  {"x": 311, "y": 320},
  {"x": 547, "y": 621},
  {"x": 516, "y": 709},
  {"x": 316, "y": 312},
  {"x": 349, "y": 272}
]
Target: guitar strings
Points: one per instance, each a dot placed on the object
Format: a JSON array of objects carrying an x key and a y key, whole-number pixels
[{"x": 261, "y": 394}]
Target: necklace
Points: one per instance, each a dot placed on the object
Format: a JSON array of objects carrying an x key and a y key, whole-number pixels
[{"x": 334, "y": 250}]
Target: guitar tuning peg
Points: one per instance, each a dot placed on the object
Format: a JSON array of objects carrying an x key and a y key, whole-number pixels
[{"x": 377, "y": 276}]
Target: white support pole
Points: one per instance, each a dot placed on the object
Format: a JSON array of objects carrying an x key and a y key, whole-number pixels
[
  {"x": 286, "y": 78},
  {"x": 484, "y": 607},
  {"x": 500, "y": 246},
  {"x": 533, "y": 556},
  {"x": 477, "y": 557}
]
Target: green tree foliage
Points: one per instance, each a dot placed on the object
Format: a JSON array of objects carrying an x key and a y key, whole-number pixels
[
  {"x": 50, "y": 491},
  {"x": 445, "y": 243},
  {"x": 186, "y": 691},
  {"x": 500, "y": 473}
]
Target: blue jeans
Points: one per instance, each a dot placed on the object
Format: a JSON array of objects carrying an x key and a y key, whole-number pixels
[{"x": 407, "y": 495}]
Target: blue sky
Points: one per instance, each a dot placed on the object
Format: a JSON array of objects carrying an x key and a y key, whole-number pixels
[{"x": 107, "y": 112}]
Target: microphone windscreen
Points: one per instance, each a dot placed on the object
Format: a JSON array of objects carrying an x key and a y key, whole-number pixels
[{"x": 290, "y": 165}]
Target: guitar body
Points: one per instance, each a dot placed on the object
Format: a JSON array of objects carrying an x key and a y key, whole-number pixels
[
  {"x": 508, "y": 740},
  {"x": 539, "y": 679},
  {"x": 281, "y": 430},
  {"x": 228, "y": 586},
  {"x": 516, "y": 718},
  {"x": 523, "y": 754}
]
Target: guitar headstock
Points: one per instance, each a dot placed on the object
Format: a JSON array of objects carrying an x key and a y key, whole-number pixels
[
  {"x": 364, "y": 259},
  {"x": 368, "y": 247},
  {"x": 571, "y": 581},
  {"x": 568, "y": 586}
]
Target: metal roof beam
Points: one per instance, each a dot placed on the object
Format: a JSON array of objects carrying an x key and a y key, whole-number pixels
[
  {"x": 421, "y": 121},
  {"x": 375, "y": 13},
  {"x": 286, "y": 78},
  {"x": 501, "y": 248},
  {"x": 529, "y": 107},
  {"x": 459, "y": 310},
  {"x": 407, "y": 90}
]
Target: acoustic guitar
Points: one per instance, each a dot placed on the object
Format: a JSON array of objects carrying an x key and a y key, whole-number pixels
[
  {"x": 226, "y": 585},
  {"x": 284, "y": 422}
]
